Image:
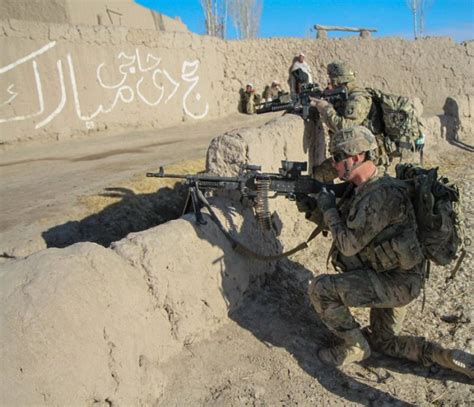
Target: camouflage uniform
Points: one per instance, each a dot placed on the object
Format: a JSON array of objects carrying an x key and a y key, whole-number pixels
[
  {"x": 357, "y": 110},
  {"x": 375, "y": 245}
]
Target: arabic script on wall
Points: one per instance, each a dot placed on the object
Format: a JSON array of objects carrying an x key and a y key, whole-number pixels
[{"x": 136, "y": 79}]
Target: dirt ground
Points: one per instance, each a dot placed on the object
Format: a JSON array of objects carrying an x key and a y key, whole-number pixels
[
  {"x": 266, "y": 354},
  {"x": 46, "y": 185}
]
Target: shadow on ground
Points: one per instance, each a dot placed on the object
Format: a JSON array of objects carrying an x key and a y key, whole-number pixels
[
  {"x": 132, "y": 213},
  {"x": 279, "y": 314},
  {"x": 277, "y": 311}
]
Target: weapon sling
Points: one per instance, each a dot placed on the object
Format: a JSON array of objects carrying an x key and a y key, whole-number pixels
[{"x": 240, "y": 248}]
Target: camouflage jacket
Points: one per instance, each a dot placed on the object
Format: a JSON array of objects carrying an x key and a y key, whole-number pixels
[
  {"x": 357, "y": 110},
  {"x": 375, "y": 227}
]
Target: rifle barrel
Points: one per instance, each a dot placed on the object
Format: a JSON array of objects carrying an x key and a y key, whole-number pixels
[
  {"x": 161, "y": 175},
  {"x": 276, "y": 108},
  {"x": 195, "y": 177}
]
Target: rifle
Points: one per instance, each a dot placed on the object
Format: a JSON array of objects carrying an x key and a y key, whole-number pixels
[
  {"x": 255, "y": 186},
  {"x": 300, "y": 103}
]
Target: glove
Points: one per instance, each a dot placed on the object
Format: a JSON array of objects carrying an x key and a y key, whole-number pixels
[
  {"x": 326, "y": 200},
  {"x": 306, "y": 204},
  {"x": 319, "y": 104}
]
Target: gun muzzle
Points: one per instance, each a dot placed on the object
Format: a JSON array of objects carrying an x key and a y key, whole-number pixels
[{"x": 276, "y": 108}]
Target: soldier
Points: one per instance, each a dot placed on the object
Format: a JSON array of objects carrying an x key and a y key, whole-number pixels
[
  {"x": 376, "y": 246},
  {"x": 358, "y": 109},
  {"x": 249, "y": 99}
]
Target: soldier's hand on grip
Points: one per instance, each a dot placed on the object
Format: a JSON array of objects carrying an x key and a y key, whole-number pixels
[
  {"x": 326, "y": 200},
  {"x": 306, "y": 204}
]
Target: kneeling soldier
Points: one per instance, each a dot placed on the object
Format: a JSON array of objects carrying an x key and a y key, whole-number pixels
[{"x": 377, "y": 249}]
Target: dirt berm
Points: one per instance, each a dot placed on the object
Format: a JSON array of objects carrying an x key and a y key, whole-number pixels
[{"x": 88, "y": 323}]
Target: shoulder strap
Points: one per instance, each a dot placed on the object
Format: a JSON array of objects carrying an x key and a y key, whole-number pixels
[{"x": 242, "y": 249}]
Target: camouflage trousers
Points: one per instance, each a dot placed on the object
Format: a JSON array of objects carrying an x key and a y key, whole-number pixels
[{"x": 386, "y": 294}]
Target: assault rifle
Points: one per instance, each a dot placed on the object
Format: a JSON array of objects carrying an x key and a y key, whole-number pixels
[
  {"x": 300, "y": 103},
  {"x": 256, "y": 186}
]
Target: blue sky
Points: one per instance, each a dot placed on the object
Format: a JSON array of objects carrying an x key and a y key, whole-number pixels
[{"x": 295, "y": 18}]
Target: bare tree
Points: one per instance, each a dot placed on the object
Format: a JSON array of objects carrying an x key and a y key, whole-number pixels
[
  {"x": 215, "y": 15},
  {"x": 418, "y": 9},
  {"x": 425, "y": 5},
  {"x": 246, "y": 16}
]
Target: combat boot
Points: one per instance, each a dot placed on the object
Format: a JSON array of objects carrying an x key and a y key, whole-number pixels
[
  {"x": 456, "y": 360},
  {"x": 354, "y": 349}
]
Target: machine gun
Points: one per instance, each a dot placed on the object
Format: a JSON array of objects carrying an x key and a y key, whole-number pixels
[
  {"x": 254, "y": 185},
  {"x": 300, "y": 103}
]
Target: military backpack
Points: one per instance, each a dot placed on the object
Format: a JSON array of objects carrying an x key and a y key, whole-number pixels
[
  {"x": 400, "y": 124},
  {"x": 438, "y": 210}
]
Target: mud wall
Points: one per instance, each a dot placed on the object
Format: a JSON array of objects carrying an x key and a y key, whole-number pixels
[
  {"x": 431, "y": 69},
  {"x": 60, "y": 80},
  {"x": 86, "y": 324},
  {"x": 122, "y": 13}
]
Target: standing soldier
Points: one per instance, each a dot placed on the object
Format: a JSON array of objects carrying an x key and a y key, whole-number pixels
[
  {"x": 358, "y": 109},
  {"x": 377, "y": 249}
]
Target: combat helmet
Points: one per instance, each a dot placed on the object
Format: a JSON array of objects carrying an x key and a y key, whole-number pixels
[
  {"x": 340, "y": 73},
  {"x": 352, "y": 141}
]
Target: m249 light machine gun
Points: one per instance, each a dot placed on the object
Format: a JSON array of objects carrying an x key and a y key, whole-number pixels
[
  {"x": 300, "y": 104},
  {"x": 258, "y": 187}
]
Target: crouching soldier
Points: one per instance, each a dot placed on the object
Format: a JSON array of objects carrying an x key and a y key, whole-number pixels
[{"x": 376, "y": 247}]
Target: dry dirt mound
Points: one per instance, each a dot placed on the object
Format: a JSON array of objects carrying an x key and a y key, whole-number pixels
[
  {"x": 183, "y": 279},
  {"x": 130, "y": 207},
  {"x": 123, "y": 326}
]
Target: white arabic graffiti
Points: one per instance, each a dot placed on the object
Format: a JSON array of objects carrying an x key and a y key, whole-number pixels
[
  {"x": 188, "y": 76},
  {"x": 131, "y": 69}
]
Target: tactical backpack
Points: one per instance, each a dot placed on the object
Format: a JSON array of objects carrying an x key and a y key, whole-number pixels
[
  {"x": 400, "y": 124},
  {"x": 438, "y": 210}
]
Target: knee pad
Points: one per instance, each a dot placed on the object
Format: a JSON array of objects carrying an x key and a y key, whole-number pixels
[{"x": 320, "y": 288}]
